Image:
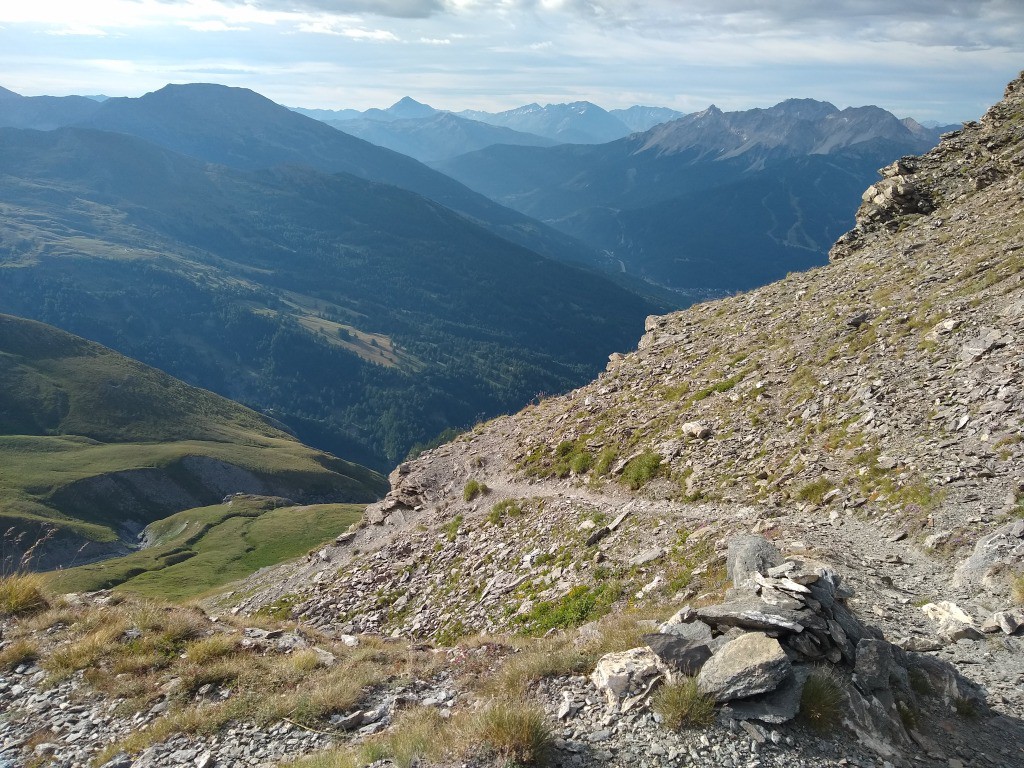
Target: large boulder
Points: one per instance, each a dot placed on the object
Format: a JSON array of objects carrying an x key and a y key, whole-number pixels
[
  {"x": 751, "y": 664},
  {"x": 995, "y": 560}
]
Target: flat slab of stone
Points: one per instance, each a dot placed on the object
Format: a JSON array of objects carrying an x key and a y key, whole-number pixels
[
  {"x": 755, "y": 614},
  {"x": 749, "y": 665}
]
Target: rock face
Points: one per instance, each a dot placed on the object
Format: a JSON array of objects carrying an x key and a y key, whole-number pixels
[{"x": 753, "y": 663}]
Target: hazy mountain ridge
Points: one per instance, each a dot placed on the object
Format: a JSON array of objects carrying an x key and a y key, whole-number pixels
[
  {"x": 441, "y": 136},
  {"x": 242, "y": 129},
  {"x": 713, "y": 200},
  {"x": 43, "y": 113},
  {"x": 367, "y": 317}
]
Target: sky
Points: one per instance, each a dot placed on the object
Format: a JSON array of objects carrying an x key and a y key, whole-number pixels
[{"x": 934, "y": 60}]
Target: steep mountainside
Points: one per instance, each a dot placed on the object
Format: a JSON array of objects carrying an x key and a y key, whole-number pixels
[
  {"x": 438, "y": 137},
  {"x": 715, "y": 201},
  {"x": 96, "y": 446},
  {"x": 784, "y": 532},
  {"x": 365, "y": 317},
  {"x": 868, "y": 414},
  {"x": 244, "y": 130}
]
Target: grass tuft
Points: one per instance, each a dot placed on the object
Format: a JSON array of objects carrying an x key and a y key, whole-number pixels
[
  {"x": 642, "y": 469},
  {"x": 17, "y": 653},
  {"x": 1017, "y": 589},
  {"x": 821, "y": 703},
  {"x": 21, "y": 594},
  {"x": 473, "y": 489},
  {"x": 681, "y": 704},
  {"x": 516, "y": 731},
  {"x": 815, "y": 491}
]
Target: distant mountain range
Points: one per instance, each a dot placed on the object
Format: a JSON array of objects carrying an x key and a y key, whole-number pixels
[
  {"x": 242, "y": 129},
  {"x": 713, "y": 200},
  {"x": 366, "y": 317},
  {"x": 432, "y": 135}
]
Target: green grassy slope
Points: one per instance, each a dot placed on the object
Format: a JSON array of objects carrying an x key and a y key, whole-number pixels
[
  {"x": 98, "y": 445},
  {"x": 200, "y": 550}
]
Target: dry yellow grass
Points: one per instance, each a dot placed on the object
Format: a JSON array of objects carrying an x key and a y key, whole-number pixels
[{"x": 22, "y": 594}]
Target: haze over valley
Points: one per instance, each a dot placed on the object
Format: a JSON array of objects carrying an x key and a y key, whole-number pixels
[{"x": 393, "y": 383}]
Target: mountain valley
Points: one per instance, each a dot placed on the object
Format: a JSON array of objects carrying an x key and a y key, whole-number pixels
[
  {"x": 366, "y": 317},
  {"x": 786, "y": 530}
]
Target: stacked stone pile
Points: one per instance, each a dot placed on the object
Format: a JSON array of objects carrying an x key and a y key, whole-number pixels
[{"x": 783, "y": 621}]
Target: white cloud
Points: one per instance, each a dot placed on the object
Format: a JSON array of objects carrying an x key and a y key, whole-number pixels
[
  {"x": 325, "y": 26},
  {"x": 213, "y": 25},
  {"x": 77, "y": 30}
]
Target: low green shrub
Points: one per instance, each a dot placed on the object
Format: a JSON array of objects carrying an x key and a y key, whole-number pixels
[
  {"x": 473, "y": 489},
  {"x": 641, "y": 469}
]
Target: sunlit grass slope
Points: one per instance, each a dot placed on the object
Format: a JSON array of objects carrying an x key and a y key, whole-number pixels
[
  {"x": 99, "y": 445},
  {"x": 199, "y": 550}
]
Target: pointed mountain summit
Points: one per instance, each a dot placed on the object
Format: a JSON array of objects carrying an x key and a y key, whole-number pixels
[{"x": 407, "y": 108}]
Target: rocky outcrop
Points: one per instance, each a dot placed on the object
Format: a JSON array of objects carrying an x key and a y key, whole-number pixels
[{"x": 755, "y": 656}]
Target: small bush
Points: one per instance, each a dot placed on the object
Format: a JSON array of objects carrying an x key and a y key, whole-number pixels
[
  {"x": 641, "y": 469},
  {"x": 682, "y": 705},
  {"x": 821, "y": 703},
  {"x": 22, "y": 594},
  {"x": 605, "y": 460},
  {"x": 919, "y": 683},
  {"x": 516, "y": 731},
  {"x": 578, "y": 606},
  {"x": 451, "y": 528},
  {"x": 473, "y": 489},
  {"x": 965, "y": 708},
  {"x": 501, "y": 510}
]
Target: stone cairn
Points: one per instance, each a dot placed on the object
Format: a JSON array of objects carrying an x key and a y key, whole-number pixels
[{"x": 782, "y": 621}]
